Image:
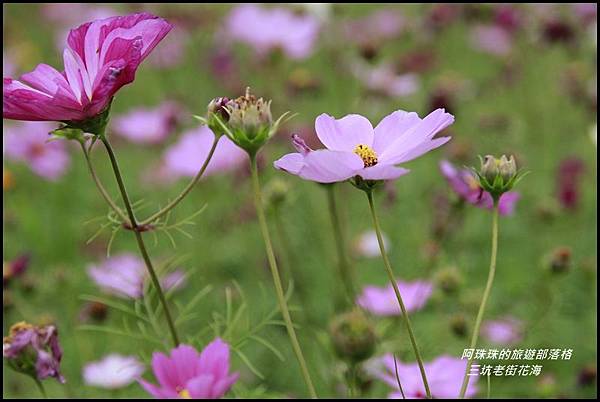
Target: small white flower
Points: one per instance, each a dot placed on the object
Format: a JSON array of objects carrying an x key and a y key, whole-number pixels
[
  {"x": 367, "y": 246},
  {"x": 114, "y": 371}
]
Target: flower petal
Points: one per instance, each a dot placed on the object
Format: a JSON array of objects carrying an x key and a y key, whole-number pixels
[
  {"x": 325, "y": 166},
  {"x": 393, "y": 127},
  {"x": 214, "y": 359},
  {"x": 344, "y": 134},
  {"x": 382, "y": 172},
  {"x": 291, "y": 163}
]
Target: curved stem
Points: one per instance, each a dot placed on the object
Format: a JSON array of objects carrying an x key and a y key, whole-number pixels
[
  {"x": 41, "y": 388},
  {"x": 140, "y": 240},
  {"x": 398, "y": 377},
  {"x": 276, "y": 279},
  {"x": 101, "y": 188},
  {"x": 486, "y": 295},
  {"x": 397, "y": 291},
  {"x": 187, "y": 189},
  {"x": 340, "y": 243}
]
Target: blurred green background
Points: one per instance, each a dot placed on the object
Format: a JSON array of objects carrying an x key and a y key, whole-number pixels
[{"x": 539, "y": 123}]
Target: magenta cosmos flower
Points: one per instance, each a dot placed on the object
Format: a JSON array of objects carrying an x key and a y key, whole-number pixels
[
  {"x": 190, "y": 375},
  {"x": 147, "y": 125},
  {"x": 26, "y": 142},
  {"x": 100, "y": 57},
  {"x": 465, "y": 185},
  {"x": 354, "y": 148},
  {"x": 266, "y": 29},
  {"x": 186, "y": 156},
  {"x": 124, "y": 275},
  {"x": 444, "y": 374},
  {"x": 383, "y": 302}
]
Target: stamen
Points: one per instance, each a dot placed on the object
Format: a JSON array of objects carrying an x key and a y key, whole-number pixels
[
  {"x": 367, "y": 154},
  {"x": 185, "y": 394}
]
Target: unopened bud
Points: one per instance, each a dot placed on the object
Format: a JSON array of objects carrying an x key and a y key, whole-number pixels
[
  {"x": 489, "y": 168},
  {"x": 448, "y": 279},
  {"x": 507, "y": 168},
  {"x": 353, "y": 336},
  {"x": 458, "y": 324},
  {"x": 497, "y": 176}
]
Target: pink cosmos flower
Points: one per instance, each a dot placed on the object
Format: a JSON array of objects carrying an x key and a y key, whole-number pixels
[
  {"x": 505, "y": 331},
  {"x": 124, "y": 275},
  {"x": 376, "y": 27},
  {"x": 113, "y": 371},
  {"x": 26, "y": 142},
  {"x": 189, "y": 375},
  {"x": 147, "y": 125},
  {"x": 491, "y": 39},
  {"x": 100, "y": 57},
  {"x": 383, "y": 79},
  {"x": 354, "y": 148},
  {"x": 266, "y": 29},
  {"x": 186, "y": 156},
  {"x": 444, "y": 374},
  {"x": 466, "y": 187},
  {"x": 382, "y": 301}
]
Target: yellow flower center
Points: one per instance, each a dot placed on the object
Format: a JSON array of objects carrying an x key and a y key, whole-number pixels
[
  {"x": 367, "y": 154},
  {"x": 185, "y": 394}
]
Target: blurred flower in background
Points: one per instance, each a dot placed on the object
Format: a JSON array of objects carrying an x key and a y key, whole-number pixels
[
  {"x": 14, "y": 268},
  {"x": 504, "y": 331},
  {"x": 8, "y": 66},
  {"x": 124, "y": 275},
  {"x": 266, "y": 29},
  {"x": 366, "y": 245},
  {"x": 491, "y": 39},
  {"x": 148, "y": 125},
  {"x": 26, "y": 142},
  {"x": 444, "y": 374},
  {"x": 113, "y": 371},
  {"x": 384, "y": 80},
  {"x": 382, "y": 301},
  {"x": 570, "y": 171},
  {"x": 187, "y": 155},
  {"x": 370, "y": 32}
]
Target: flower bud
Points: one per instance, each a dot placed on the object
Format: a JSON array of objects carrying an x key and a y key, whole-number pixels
[
  {"x": 489, "y": 168},
  {"x": 458, "y": 324},
  {"x": 507, "y": 168},
  {"x": 560, "y": 260},
  {"x": 448, "y": 279},
  {"x": 275, "y": 193},
  {"x": 353, "y": 336},
  {"x": 217, "y": 115},
  {"x": 497, "y": 176}
]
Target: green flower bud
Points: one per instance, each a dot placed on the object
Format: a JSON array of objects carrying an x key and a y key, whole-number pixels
[
  {"x": 217, "y": 115},
  {"x": 497, "y": 176},
  {"x": 448, "y": 279},
  {"x": 353, "y": 336},
  {"x": 276, "y": 191}
]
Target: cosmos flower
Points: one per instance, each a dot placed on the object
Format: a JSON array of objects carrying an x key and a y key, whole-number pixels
[
  {"x": 366, "y": 244},
  {"x": 383, "y": 79},
  {"x": 379, "y": 26},
  {"x": 354, "y": 148},
  {"x": 187, "y": 155},
  {"x": 113, "y": 371},
  {"x": 34, "y": 350},
  {"x": 505, "y": 331},
  {"x": 491, "y": 39},
  {"x": 100, "y": 57},
  {"x": 266, "y": 29},
  {"x": 382, "y": 301},
  {"x": 26, "y": 142},
  {"x": 147, "y": 125},
  {"x": 189, "y": 375},
  {"x": 444, "y": 374},
  {"x": 466, "y": 187},
  {"x": 124, "y": 275}
]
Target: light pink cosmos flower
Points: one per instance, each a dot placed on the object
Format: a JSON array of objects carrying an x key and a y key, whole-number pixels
[
  {"x": 376, "y": 27},
  {"x": 505, "y": 331},
  {"x": 100, "y": 57},
  {"x": 189, "y": 375},
  {"x": 186, "y": 156},
  {"x": 147, "y": 125},
  {"x": 383, "y": 79},
  {"x": 444, "y": 374},
  {"x": 266, "y": 29},
  {"x": 26, "y": 142},
  {"x": 466, "y": 187},
  {"x": 491, "y": 39},
  {"x": 354, "y": 148},
  {"x": 382, "y": 301},
  {"x": 113, "y": 371},
  {"x": 124, "y": 275}
]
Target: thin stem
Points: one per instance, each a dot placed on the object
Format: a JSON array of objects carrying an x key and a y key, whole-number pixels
[
  {"x": 101, "y": 188},
  {"x": 284, "y": 247},
  {"x": 489, "y": 386},
  {"x": 397, "y": 291},
  {"x": 41, "y": 388},
  {"x": 276, "y": 279},
  {"x": 340, "y": 242},
  {"x": 187, "y": 189},
  {"x": 486, "y": 295},
  {"x": 140, "y": 240},
  {"x": 398, "y": 378}
]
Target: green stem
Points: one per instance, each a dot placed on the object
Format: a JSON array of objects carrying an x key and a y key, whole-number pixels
[
  {"x": 41, "y": 388},
  {"x": 101, "y": 188},
  {"x": 276, "y": 279},
  {"x": 486, "y": 295},
  {"x": 140, "y": 240},
  {"x": 284, "y": 247},
  {"x": 398, "y": 377},
  {"x": 397, "y": 291},
  {"x": 187, "y": 189},
  {"x": 345, "y": 271}
]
